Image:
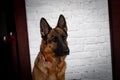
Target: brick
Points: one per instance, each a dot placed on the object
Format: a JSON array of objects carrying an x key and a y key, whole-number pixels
[
  {"x": 76, "y": 48},
  {"x": 94, "y": 40},
  {"x": 74, "y": 41},
  {"x": 83, "y": 55},
  {"x": 85, "y": 33}
]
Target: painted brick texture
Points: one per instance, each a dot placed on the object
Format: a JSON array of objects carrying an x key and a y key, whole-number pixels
[{"x": 88, "y": 35}]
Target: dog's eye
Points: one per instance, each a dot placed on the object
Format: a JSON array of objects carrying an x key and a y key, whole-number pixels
[
  {"x": 54, "y": 39},
  {"x": 64, "y": 37}
]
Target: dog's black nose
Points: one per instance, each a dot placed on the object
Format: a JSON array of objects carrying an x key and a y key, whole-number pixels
[{"x": 66, "y": 51}]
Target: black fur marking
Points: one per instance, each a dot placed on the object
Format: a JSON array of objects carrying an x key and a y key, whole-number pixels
[{"x": 61, "y": 49}]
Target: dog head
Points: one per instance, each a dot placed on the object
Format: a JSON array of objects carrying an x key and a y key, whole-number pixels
[{"x": 55, "y": 40}]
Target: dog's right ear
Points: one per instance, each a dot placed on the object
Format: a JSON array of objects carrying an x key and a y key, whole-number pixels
[
  {"x": 62, "y": 23},
  {"x": 44, "y": 28}
]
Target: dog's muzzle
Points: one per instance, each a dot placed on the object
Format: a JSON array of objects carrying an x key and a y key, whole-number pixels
[{"x": 62, "y": 52}]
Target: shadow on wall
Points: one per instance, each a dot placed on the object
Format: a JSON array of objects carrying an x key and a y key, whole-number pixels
[{"x": 90, "y": 72}]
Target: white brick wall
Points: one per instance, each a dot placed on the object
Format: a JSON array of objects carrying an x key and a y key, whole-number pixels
[{"x": 88, "y": 31}]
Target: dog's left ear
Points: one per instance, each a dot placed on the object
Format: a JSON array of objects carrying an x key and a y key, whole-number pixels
[{"x": 62, "y": 23}]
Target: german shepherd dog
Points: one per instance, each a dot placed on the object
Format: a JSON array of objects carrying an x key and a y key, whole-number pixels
[{"x": 50, "y": 62}]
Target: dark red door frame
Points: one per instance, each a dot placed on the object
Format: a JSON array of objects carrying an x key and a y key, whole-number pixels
[
  {"x": 22, "y": 38},
  {"x": 114, "y": 16}
]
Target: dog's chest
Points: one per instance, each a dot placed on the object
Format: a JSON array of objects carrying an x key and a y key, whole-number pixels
[{"x": 56, "y": 72}]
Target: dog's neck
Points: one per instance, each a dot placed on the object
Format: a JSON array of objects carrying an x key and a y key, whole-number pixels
[
  {"x": 50, "y": 58},
  {"x": 57, "y": 61}
]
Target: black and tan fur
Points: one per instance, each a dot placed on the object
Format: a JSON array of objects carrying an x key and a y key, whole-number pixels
[{"x": 50, "y": 63}]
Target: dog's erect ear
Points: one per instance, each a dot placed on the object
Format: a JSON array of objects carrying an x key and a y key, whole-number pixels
[
  {"x": 62, "y": 23},
  {"x": 44, "y": 28}
]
